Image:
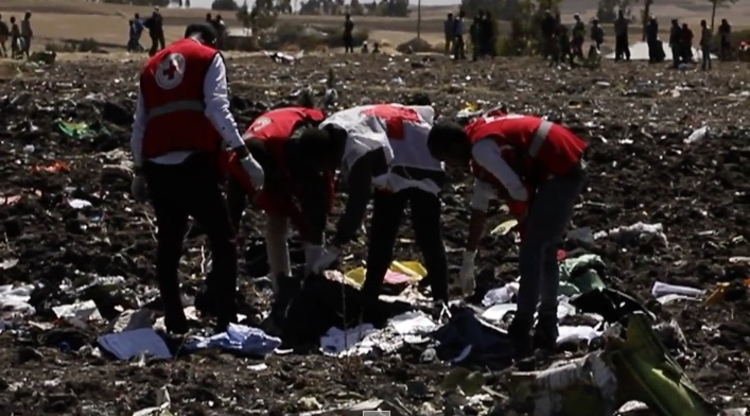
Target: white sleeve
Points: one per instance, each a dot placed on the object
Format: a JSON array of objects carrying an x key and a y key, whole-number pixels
[
  {"x": 217, "y": 103},
  {"x": 139, "y": 128},
  {"x": 489, "y": 156},
  {"x": 482, "y": 194}
]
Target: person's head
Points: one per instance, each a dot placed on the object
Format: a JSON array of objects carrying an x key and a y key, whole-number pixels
[
  {"x": 218, "y": 18},
  {"x": 202, "y": 32},
  {"x": 448, "y": 143},
  {"x": 675, "y": 22},
  {"x": 13, "y": 19},
  {"x": 724, "y": 22},
  {"x": 27, "y": 16},
  {"x": 450, "y": 16},
  {"x": 322, "y": 147},
  {"x": 576, "y": 17},
  {"x": 480, "y": 13},
  {"x": 208, "y": 17},
  {"x": 137, "y": 16},
  {"x": 703, "y": 23},
  {"x": 684, "y": 26},
  {"x": 595, "y": 22},
  {"x": 348, "y": 16},
  {"x": 620, "y": 14}
]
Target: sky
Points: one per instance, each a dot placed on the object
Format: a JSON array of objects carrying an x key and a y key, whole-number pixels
[{"x": 207, "y": 3}]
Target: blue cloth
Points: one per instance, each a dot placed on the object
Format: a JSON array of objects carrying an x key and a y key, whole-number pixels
[{"x": 238, "y": 338}]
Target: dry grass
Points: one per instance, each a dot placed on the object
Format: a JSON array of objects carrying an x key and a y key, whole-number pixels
[{"x": 56, "y": 20}]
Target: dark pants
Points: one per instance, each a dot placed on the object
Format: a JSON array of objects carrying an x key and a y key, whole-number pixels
[
  {"x": 547, "y": 220},
  {"x": 622, "y": 49},
  {"x": 459, "y": 51},
  {"x": 388, "y": 210},
  {"x": 448, "y": 44},
  {"x": 706, "y": 56},
  {"x": 157, "y": 43},
  {"x": 192, "y": 189},
  {"x": 676, "y": 56},
  {"x": 348, "y": 44}
]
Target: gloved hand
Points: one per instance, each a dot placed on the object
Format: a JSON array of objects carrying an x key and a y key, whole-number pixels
[
  {"x": 329, "y": 255},
  {"x": 466, "y": 275},
  {"x": 313, "y": 253},
  {"x": 254, "y": 171},
  {"x": 138, "y": 188}
]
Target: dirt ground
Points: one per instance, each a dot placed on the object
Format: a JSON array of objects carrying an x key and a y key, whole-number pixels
[
  {"x": 60, "y": 20},
  {"x": 634, "y": 116}
]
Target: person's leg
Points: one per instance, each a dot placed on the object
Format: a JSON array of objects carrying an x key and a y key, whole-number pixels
[
  {"x": 277, "y": 249},
  {"x": 426, "y": 220},
  {"x": 162, "y": 43},
  {"x": 387, "y": 212},
  {"x": 171, "y": 221},
  {"x": 154, "y": 46},
  {"x": 547, "y": 220},
  {"x": 209, "y": 209},
  {"x": 27, "y": 45},
  {"x": 236, "y": 203}
]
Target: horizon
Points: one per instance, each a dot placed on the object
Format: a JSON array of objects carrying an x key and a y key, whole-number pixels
[{"x": 206, "y": 4}]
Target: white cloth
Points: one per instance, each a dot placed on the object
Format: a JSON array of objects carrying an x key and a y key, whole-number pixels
[
  {"x": 367, "y": 132},
  {"x": 487, "y": 154},
  {"x": 138, "y": 188},
  {"x": 466, "y": 275},
  {"x": 217, "y": 110}
]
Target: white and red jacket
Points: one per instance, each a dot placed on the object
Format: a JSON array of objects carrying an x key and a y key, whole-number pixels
[
  {"x": 401, "y": 131},
  {"x": 512, "y": 154}
]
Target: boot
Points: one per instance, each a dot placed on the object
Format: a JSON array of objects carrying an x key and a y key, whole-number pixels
[
  {"x": 287, "y": 289},
  {"x": 545, "y": 333},
  {"x": 520, "y": 337}
]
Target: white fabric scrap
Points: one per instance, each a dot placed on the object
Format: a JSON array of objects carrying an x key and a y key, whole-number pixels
[
  {"x": 666, "y": 293},
  {"x": 636, "y": 231},
  {"x": 16, "y": 299},
  {"x": 501, "y": 294}
]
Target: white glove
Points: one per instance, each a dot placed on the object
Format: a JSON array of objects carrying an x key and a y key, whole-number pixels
[
  {"x": 466, "y": 275},
  {"x": 138, "y": 188},
  {"x": 313, "y": 253},
  {"x": 326, "y": 259},
  {"x": 254, "y": 171}
]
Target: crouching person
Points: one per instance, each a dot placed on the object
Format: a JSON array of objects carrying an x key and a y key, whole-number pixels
[
  {"x": 537, "y": 168},
  {"x": 292, "y": 193},
  {"x": 182, "y": 124},
  {"x": 383, "y": 146}
]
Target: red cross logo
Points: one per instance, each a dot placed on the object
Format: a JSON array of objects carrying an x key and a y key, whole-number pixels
[{"x": 171, "y": 70}]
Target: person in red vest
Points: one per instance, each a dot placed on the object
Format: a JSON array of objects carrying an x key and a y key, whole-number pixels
[
  {"x": 182, "y": 125},
  {"x": 383, "y": 146},
  {"x": 291, "y": 193},
  {"x": 537, "y": 167}
]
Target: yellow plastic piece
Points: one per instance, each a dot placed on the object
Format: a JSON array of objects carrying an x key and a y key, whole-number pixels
[{"x": 413, "y": 269}]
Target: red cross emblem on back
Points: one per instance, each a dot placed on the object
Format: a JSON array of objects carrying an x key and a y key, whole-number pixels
[
  {"x": 170, "y": 71},
  {"x": 393, "y": 116}
]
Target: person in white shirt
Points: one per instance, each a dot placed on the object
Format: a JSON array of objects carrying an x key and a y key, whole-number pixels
[{"x": 182, "y": 125}]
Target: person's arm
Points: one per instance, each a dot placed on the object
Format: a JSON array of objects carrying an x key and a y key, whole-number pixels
[
  {"x": 487, "y": 154},
  {"x": 482, "y": 194},
  {"x": 359, "y": 186},
  {"x": 136, "y": 137},
  {"x": 217, "y": 106}
]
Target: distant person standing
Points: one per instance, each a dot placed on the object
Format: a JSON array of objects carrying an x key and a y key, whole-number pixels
[
  {"x": 348, "y": 34},
  {"x": 725, "y": 32},
  {"x": 675, "y": 34},
  {"x": 622, "y": 49},
  {"x": 705, "y": 45},
  {"x": 26, "y": 33},
  {"x": 597, "y": 34},
  {"x": 221, "y": 32},
  {"x": 155, "y": 25},
  {"x": 449, "y": 31},
  {"x": 136, "y": 30},
  {"x": 459, "y": 51},
  {"x": 4, "y": 35},
  {"x": 15, "y": 39}
]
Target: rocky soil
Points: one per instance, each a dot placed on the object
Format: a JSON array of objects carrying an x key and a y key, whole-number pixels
[{"x": 636, "y": 118}]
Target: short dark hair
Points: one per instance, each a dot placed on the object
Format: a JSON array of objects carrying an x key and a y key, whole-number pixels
[
  {"x": 206, "y": 32},
  {"x": 442, "y": 136},
  {"x": 316, "y": 143}
]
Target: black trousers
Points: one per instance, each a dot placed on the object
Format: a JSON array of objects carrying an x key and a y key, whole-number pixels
[
  {"x": 622, "y": 49},
  {"x": 192, "y": 189},
  {"x": 157, "y": 43},
  {"x": 388, "y": 211},
  {"x": 348, "y": 44}
]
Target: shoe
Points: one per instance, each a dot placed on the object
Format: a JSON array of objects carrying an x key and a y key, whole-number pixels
[
  {"x": 176, "y": 323},
  {"x": 520, "y": 338},
  {"x": 545, "y": 333}
]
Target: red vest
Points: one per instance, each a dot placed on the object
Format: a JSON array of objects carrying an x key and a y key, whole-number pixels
[
  {"x": 394, "y": 116},
  {"x": 275, "y": 127},
  {"x": 172, "y": 92},
  {"x": 541, "y": 148}
]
